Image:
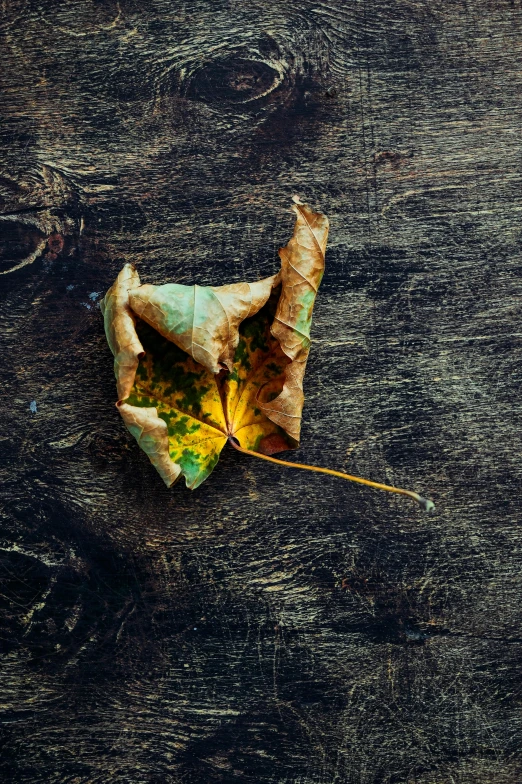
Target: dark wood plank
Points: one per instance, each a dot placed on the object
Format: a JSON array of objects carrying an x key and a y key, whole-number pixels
[{"x": 270, "y": 626}]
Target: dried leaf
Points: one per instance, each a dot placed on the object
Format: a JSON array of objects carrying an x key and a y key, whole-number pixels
[
  {"x": 203, "y": 365},
  {"x": 259, "y": 332}
]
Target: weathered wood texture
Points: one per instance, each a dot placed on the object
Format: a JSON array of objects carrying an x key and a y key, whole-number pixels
[{"x": 272, "y": 626}]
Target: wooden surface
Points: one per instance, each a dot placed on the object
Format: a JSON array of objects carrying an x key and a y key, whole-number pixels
[{"x": 272, "y": 626}]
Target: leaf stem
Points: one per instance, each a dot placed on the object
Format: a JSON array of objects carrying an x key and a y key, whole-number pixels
[{"x": 425, "y": 503}]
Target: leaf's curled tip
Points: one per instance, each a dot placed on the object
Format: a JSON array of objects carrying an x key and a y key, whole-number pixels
[
  {"x": 296, "y": 199},
  {"x": 426, "y": 504},
  {"x": 128, "y": 276},
  {"x": 151, "y": 434}
]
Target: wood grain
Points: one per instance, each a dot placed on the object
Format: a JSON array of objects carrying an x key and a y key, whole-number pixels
[{"x": 269, "y": 627}]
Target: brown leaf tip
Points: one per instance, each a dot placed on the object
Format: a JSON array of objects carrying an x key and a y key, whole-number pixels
[{"x": 272, "y": 444}]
